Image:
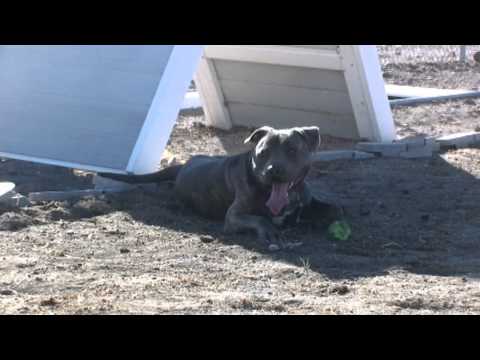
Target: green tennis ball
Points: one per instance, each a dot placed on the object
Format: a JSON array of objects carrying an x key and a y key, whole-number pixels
[{"x": 339, "y": 230}]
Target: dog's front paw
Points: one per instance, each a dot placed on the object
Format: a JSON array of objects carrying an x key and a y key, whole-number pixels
[{"x": 271, "y": 237}]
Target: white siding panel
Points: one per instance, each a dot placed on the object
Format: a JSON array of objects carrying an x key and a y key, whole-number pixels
[
  {"x": 77, "y": 104},
  {"x": 294, "y": 98},
  {"x": 317, "y": 47},
  {"x": 257, "y": 116},
  {"x": 281, "y": 75}
]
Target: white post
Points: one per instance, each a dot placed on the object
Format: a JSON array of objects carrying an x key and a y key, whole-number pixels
[{"x": 366, "y": 86}]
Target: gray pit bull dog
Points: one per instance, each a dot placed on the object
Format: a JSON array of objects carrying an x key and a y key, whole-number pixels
[{"x": 255, "y": 191}]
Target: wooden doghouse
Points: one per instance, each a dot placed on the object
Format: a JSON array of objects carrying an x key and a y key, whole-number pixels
[{"x": 339, "y": 88}]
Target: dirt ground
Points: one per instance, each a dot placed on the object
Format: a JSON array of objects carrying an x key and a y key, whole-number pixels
[{"x": 414, "y": 248}]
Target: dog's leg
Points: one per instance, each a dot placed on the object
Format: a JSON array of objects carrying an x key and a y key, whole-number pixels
[
  {"x": 316, "y": 210},
  {"x": 238, "y": 220}
]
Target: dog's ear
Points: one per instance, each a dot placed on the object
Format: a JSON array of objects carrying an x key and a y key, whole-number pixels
[
  {"x": 311, "y": 135},
  {"x": 258, "y": 134}
]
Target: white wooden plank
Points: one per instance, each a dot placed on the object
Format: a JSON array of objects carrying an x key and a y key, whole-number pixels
[
  {"x": 211, "y": 95},
  {"x": 322, "y": 47},
  {"x": 277, "y": 55},
  {"x": 367, "y": 90},
  {"x": 257, "y": 116},
  {"x": 164, "y": 110},
  {"x": 281, "y": 75},
  {"x": 55, "y": 162},
  {"x": 295, "y": 98}
]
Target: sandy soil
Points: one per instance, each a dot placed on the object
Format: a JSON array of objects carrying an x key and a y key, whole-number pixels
[{"x": 414, "y": 249}]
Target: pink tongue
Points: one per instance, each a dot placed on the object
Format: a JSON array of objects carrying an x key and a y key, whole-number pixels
[{"x": 279, "y": 198}]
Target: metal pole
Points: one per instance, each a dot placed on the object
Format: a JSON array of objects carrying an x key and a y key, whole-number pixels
[
  {"x": 463, "y": 53},
  {"x": 430, "y": 99}
]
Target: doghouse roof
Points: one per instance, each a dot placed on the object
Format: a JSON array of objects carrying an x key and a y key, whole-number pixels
[{"x": 100, "y": 108}]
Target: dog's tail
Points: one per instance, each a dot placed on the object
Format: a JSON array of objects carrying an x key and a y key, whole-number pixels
[{"x": 168, "y": 174}]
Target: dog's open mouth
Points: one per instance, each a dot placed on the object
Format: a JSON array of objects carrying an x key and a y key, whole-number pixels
[{"x": 279, "y": 195}]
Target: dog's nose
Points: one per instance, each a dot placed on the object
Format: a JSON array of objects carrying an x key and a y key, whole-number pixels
[{"x": 275, "y": 172}]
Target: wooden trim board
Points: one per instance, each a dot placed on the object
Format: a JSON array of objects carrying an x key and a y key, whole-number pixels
[
  {"x": 66, "y": 164},
  {"x": 367, "y": 92},
  {"x": 276, "y": 55},
  {"x": 211, "y": 95}
]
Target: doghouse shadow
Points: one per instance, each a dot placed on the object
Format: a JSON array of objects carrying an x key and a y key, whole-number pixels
[{"x": 419, "y": 215}]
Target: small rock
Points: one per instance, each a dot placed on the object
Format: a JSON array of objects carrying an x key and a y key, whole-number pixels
[
  {"x": 388, "y": 75},
  {"x": 173, "y": 161},
  {"x": 6, "y": 292},
  {"x": 15, "y": 199},
  {"x": 476, "y": 57},
  {"x": 391, "y": 245},
  {"x": 292, "y": 245},
  {"x": 273, "y": 247},
  {"x": 168, "y": 159},
  {"x": 207, "y": 239},
  {"x": 340, "y": 290},
  {"x": 124, "y": 251},
  {"x": 364, "y": 212},
  {"x": 49, "y": 302}
]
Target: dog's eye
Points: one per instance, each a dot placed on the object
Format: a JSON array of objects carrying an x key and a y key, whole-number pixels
[{"x": 263, "y": 153}]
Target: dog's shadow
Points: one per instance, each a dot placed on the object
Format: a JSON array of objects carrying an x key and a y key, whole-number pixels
[
  {"x": 415, "y": 215},
  {"x": 311, "y": 246}
]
